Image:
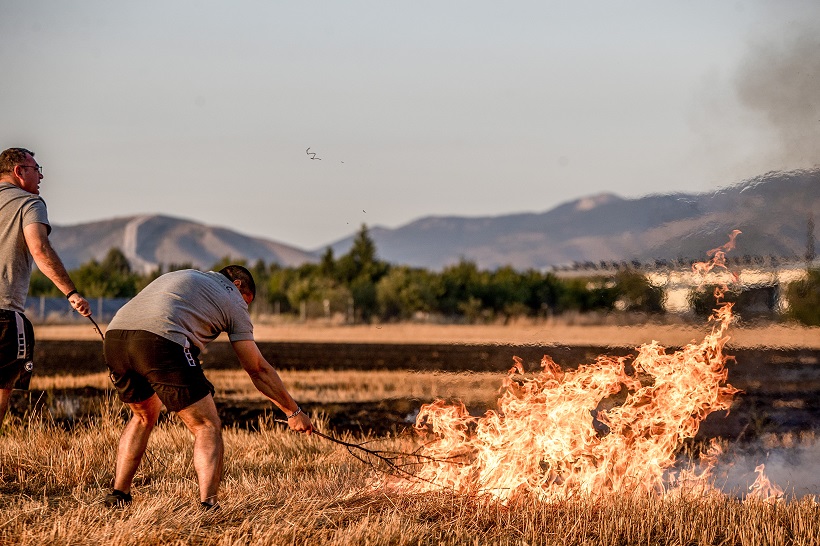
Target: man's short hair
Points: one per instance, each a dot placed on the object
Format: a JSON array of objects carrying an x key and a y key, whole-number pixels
[
  {"x": 12, "y": 157},
  {"x": 237, "y": 272}
]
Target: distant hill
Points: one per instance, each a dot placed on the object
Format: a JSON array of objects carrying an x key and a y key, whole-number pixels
[
  {"x": 772, "y": 211},
  {"x": 148, "y": 241}
]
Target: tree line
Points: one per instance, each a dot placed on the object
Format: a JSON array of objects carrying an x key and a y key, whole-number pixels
[{"x": 365, "y": 288}]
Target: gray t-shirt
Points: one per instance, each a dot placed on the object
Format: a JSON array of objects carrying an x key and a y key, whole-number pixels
[
  {"x": 18, "y": 208},
  {"x": 188, "y": 305}
]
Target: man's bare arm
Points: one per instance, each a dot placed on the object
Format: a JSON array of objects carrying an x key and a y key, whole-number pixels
[
  {"x": 268, "y": 382},
  {"x": 52, "y": 267}
]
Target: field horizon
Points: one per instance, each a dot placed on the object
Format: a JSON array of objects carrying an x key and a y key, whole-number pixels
[{"x": 524, "y": 332}]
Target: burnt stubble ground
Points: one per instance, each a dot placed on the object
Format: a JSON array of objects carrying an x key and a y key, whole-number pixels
[
  {"x": 780, "y": 387},
  {"x": 58, "y": 446}
]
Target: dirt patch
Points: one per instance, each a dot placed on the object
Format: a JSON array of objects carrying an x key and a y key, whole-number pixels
[{"x": 753, "y": 368}]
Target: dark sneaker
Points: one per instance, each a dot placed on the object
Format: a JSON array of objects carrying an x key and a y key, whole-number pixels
[
  {"x": 117, "y": 499},
  {"x": 209, "y": 506}
]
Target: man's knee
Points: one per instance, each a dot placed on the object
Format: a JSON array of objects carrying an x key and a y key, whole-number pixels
[
  {"x": 5, "y": 398},
  {"x": 212, "y": 428},
  {"x": 202, "y": 417},
  {"x": 146, "y": 412},
  {"x": 207, "y": 424}
]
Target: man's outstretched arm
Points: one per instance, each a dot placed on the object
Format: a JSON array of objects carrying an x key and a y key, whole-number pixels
[
  {"x": 268, "y": 382},
  {"x": 52, "y": 267}
]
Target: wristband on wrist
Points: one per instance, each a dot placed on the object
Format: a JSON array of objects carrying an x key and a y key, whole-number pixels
[
  {"x": 68, "y": 296},
  {"x": 295, "y": 413}
]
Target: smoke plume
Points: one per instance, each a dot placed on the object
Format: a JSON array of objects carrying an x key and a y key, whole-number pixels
[{"x": 780, "y": 79}]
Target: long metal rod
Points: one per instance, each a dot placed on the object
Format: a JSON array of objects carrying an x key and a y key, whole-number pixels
[
  {"x": 389, "y": 458},
  {"x": 96, "y": 327}
]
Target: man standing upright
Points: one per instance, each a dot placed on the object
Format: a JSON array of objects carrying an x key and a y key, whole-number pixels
[
  {"x": 152, "y": 347},
  {"x": 24, "y": 231}
]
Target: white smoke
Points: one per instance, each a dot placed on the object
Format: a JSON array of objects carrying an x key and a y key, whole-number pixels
[{"x": 793, "y": 466}]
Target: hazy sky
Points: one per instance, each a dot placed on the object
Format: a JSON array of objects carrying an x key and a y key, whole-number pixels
[{"x": 204, "y": 109}]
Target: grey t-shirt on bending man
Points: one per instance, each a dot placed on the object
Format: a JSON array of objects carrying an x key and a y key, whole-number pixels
[
  {"x": 18, "y": 208},
  {"x": 188, "y": 305}
]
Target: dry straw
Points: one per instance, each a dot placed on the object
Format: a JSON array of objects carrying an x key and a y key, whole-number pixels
[{"x": 284, "y": 488}]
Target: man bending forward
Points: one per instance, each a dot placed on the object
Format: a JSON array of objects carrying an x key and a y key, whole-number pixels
[{"x": 151, "y": 349}]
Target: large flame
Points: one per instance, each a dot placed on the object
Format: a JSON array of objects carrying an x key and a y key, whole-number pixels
[{"x": 613, "y": 426}]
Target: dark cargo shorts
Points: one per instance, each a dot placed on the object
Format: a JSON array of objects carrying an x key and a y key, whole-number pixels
[
  {"x": 142, "y": 363},
  {"x": 16, "y": 350}
]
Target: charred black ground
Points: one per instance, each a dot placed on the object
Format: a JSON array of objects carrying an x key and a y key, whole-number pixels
[{"x": 781, "y": 388}]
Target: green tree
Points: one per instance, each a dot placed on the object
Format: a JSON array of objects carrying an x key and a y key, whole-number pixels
[
  {"x": 638, "y": 294},
  {"x": 360, "y": 270},
  {"x": 361, "y": 260},
  {"x": 804, "y": 299},
  {"x": 327, "y": 264},
  {"x": 259, "y": 272},
  {"x": 115, "y": 262},
  {"x": 471, "y": 309},
  {"x": 460, "y": 284},
  {"x": 584, "y": 295},
  {"x": 544, "y": 291},
  {"x": 403, "y": 291},
  {"x": 278, "y": 285},
  {"x": 504, "y": 291},
  {"x": 111, "y": 278},
  {"x": 363, "y": 292}
]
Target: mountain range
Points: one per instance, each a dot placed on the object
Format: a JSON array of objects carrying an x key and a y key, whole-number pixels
[
  {"x": 150, "y": 240},
  {"x": 774, "y": 211}
]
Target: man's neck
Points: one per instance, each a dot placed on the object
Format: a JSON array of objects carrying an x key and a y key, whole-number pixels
[{"x": 9, "y": 181}]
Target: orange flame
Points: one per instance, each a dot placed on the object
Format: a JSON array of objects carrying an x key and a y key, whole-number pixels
[
  {"x": 763, "y": 489},
  {"x": 602, "y": 428}
]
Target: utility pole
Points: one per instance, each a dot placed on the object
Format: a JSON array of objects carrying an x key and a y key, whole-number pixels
[{"x": 810, "y": 251}]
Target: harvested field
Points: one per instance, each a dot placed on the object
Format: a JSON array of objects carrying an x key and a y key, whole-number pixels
[
  {"x": 57, "y": 450},
  {"x": 777, "y": 367},
  {"x": 281, "y": 488}
]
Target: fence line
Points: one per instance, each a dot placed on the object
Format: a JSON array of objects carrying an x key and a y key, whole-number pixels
[
  {"x": 56, "y": 310},
  {"x": 42, "y": 309}
]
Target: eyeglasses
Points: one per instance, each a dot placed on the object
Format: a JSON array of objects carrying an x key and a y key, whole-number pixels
[{"x": 38, "y": 167}]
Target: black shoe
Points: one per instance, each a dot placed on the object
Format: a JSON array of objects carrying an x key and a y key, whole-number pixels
[
  {"x": 117, "y": 499},
  {"x": 209, "y": 506}
]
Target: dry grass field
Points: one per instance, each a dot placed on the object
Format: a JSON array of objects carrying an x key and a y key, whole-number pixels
[{"x": 284, "y": 488}]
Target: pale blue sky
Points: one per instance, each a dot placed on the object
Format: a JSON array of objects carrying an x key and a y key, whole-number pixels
[{"x": 203, "y": 109}]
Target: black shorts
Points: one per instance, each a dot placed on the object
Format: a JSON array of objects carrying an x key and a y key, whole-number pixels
[
  {"x": 143, "y": 363},
  {"x": 16, "y": 350}
]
